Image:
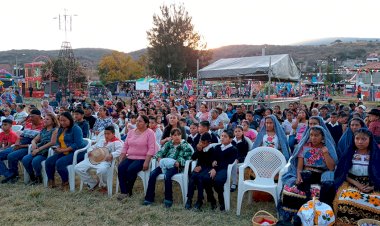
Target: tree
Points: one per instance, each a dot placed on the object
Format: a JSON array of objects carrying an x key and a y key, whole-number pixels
[
  {"x": 118, "y": 66},
  {"x": 172, "y": 40},
  {"x": 58, "y": 70}
]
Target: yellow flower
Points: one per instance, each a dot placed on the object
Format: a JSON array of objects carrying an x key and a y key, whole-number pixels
[
  {"x": 330, "y": 213},
  {"x": 373, "y": 200},
  {"x": 355, "y": 195},
  {"x": 316, "y": 216}
]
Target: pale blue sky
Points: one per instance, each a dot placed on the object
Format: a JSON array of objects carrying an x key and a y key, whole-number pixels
[{"x": 122, "y": 24}]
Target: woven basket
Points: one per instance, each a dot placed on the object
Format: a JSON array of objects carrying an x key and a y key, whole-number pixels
[
  {"x": 368, "y": 221},
  {"x": 263, "y": 214}
]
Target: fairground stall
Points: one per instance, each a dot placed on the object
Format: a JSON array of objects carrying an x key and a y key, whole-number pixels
[
  {"x": 270, "y": 69},
  {"x": 33, "y": 79}
]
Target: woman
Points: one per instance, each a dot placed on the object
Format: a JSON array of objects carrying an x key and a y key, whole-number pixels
[
  {"x": 215, "y": 122},
  {"x": 358, "y": 178},
  {"x": 20, "y": 115},
  {"x": 69, "y": 139},
  {"x": 64, "y": 103},
  {"x": 173, "y": 123},
  {"x": 313, "y": 162},
  {"x": 203, "y": 115},
  {"x": 248, "y": 132},
  {"x": 122, "y": 120},
  {"x": 299, "y": 126},
  {"x": 102, "y": 121},
  {"x": 139, "y": 147},
  {"x": 40, "y": 148},
  {"x": 347, "y": 138},
  {"x": 272, "y": 135},
  {"x": 277, "y": 112}
]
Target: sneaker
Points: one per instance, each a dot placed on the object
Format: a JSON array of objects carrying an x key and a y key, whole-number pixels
[
  {"x": 188, "y": 204},
  {"x": 168, "y": 203},
  {"x": 233, "y": 188},
  {"x": 198, "y": 205},
  {"x": 11, "y": 179},
  {"x": 147, "y": 203}
]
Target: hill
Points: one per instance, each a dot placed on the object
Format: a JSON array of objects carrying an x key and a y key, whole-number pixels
[
  {"x": 328, "y": 41},
  {"x": 305, "y": 54}
]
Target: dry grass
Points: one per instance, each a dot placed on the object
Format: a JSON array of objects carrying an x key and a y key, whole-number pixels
[{"x": 35, "y": 205}]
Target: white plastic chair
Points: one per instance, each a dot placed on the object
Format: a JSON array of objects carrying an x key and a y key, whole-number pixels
[
  {"x": 227, "y": 185},
  {"x": 71, "y": 168},
  {"x": 265, "y": 162},
  {"x": 144, "y": 175},
  {"x": 43, "y": 169},
  {"x": 17, "y": 127}
]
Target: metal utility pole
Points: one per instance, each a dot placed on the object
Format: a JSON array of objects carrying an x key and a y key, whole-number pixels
[{"x": 66, "y": 53}]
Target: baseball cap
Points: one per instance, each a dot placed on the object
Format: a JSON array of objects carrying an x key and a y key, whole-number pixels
[{"x": 362, "y": 107}]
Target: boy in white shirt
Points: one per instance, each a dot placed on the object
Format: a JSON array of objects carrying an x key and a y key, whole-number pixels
[{"x": 100, "y": 157}]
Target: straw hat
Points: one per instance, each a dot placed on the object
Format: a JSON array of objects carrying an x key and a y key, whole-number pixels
[{"x": 98, "y": 155}]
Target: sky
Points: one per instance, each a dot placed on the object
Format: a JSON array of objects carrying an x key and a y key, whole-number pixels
[{"x": 122, "y": 24}]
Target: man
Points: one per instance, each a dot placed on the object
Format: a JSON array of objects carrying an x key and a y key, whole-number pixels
[
  {"x": 252, "y": 123},
  {"x": 15, "y": 153},
  {"x": 88, "y": 116},
  {"x": 30, "y": 91},
  {"x": 237, "y": 117},
  {"x": 58, "y": 96},
  {"x": 18, "y": 97},
  {"x": 83, "y": 124},
  {"x": 323, "y": 113},
  {"x": 54, "y": 103},
  {"x": 335, "y": 128},
  {"x": 330, "y": 105},
  {"x": 98, "y": 162},
  {"x": 46, "y": 108},
  {"x": 361, "y": 110},
  {"x": 222, "y": 115}
]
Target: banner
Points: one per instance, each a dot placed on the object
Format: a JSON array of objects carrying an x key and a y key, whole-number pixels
[{"x": 142, "y": 85}]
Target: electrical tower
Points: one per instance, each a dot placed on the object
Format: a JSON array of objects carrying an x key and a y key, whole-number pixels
[{"x": 66, "y": 53}]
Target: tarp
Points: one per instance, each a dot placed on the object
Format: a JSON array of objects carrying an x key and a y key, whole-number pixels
[
  {"x": 257, "y": 68},
  {"x": 151, "y": 80}
]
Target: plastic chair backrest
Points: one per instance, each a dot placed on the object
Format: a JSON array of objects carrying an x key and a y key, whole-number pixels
[
  {"x": 265, "y": 162},
  {"x": 17, "y": 128}
]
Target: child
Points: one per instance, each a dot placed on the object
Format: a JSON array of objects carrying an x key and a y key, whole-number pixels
[
  {"x": 193, "y": 137},
  {"x": 132, "y": 124},
  {"x": 153, "y": 126},
  {"x": 8, "y": 136},
  {"x": 223, "y": 155},
  {"x": 335, "y": 128},
  {"x": 287, "y": 124},
  {"x": 202, "y": 154},
  {"x": 175, "y": 149},
  {"x": 100, "y": 161},
  {"x": 183, "y": 124},
  {"x": 242, "y": 146},
  {"x": 83, "y": 124}
]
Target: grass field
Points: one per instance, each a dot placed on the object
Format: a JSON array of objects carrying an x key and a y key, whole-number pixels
[{"x": 35, "y": 205}]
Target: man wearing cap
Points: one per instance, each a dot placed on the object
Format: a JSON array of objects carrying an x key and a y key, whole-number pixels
[
  {"x": 17, "y": 152},
  {"x": 222, "y": 115},
  {"x": 361, "y": 111},
  {"x": 99, "y": 158},
  {"x": 374, "y": 123},
  {"x": 323, "y": 112}
]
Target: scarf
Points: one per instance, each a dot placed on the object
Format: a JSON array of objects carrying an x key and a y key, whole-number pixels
[
  {"x": 347, "y": 138},
  {"x": 282, "y": 139},
  {"x": 345, "y": 162},
  {"x": 290, "y": 177}
]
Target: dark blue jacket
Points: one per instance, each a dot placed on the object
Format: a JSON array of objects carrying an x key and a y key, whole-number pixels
[{"x": 73, "y": 137}]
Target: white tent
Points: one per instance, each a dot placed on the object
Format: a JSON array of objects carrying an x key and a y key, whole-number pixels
[{"x": 257, "y": 68}]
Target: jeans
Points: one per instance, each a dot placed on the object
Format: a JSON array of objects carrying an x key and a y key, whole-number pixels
[
  {"x": 218, "y": 184},
  {"x": 13, "y": 159},
  {"x": 127, "y": 173},
  {"x": 196, "y": 180},
  {"x": 168, "y": 184},
  {"x": 3, "y": 156},
  {"x": 60, "y": 162},
  {"x": 32, "y": 164}
]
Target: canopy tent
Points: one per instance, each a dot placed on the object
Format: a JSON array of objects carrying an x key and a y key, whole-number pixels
[
  {"x": 151, "y": 80},
  {"x": 257, "y": 68}
]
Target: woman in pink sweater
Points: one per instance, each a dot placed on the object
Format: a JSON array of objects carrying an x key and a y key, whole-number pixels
[{"x": 139, "y": 148}]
